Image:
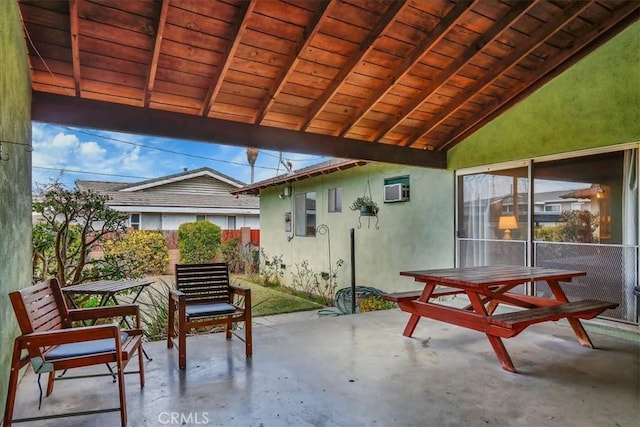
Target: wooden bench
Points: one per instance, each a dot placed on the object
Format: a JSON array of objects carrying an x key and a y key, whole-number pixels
[
  {"x": 585, "y": 309},
  {"x": 440, "y": 291}
]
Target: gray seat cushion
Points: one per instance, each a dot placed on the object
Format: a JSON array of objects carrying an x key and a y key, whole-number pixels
[
  {"x": 204, "y": 310},
  {"x": 84, "y": 348}
]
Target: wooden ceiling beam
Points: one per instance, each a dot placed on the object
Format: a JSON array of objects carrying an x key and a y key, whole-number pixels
[
  {"x": 536, "y": 39},
  {"x": 497, "y": 30},
  {"x": 75, "y": 48},
  {"x": 153, "y": 66},
  {"x": 70, "y": 111},
  {"x": 367, "y": 45},
  {"x": 294, "y": 58},
  {"x": 424, "y": 47},
  {"x": 598, "y": 35},
  {"x": 246, "y": 9}
]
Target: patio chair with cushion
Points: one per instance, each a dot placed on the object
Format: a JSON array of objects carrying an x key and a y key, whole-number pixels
[
  {"x": 204, "y": 297},
  {"x": 53, "y": 344}
]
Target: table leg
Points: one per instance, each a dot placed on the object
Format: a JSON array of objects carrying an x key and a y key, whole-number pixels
[
  {"x": 126, "y": 322},
  {"x": 477, "y": 302},
  {"x": 411, "y": 325},
  {"x": 415, "y": 318},
  {"x": 576, "y": 325},
  {"x": 501, "y": 352}
]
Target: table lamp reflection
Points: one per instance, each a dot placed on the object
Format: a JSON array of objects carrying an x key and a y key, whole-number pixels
[{"x": 507, "y": 223}]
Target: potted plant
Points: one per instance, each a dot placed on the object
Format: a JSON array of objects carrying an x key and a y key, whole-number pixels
[{"x": 365, "y": 205}]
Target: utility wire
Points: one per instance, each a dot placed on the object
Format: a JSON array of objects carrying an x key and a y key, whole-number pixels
[
  {"x": 161, "y": 149},
  {"x": 90, "y": 173}
]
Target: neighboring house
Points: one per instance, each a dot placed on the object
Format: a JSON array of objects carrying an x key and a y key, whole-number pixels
[
  {"x": 409, "y": 233},
  {"x": 167, "y": 202}
]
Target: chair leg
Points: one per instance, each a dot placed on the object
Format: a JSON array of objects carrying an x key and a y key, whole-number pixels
[
  {"x": 228, "y": 328},
  {"x": 50, "y": 380},
  {"x": 13, "y": 386},
  {"x": 248, "y": 338},
  {"x": 182, "y": 344},
  {"x": 171, "y": 327},
  {"x": 141, "y": 366},
  {"x": 121, "y": 392}
]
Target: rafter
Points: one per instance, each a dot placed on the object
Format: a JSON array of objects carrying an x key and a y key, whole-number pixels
[
  {"x": 526, "y": 87},
  {"x": 294, "y": 58},
  {"x": 421, "y": 50},
  {"x": 520, "y": 8},
  {"x": 367, "y": 45},
  {"x": 70, "y": 111},
  {"x": 536, "y": 39},
  {"x": 75, "y": 48},
  {"x": 246, "y": 8},
  {"x": 153, "y": 66}
]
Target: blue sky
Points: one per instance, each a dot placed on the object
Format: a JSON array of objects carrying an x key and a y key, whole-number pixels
[{"x": 90, "y": 154}]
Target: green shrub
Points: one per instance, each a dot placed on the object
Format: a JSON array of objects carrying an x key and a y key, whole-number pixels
[
  {"x": 233, "y": 254},
  {"x": 198, "y": 242},
  {"x": 144, "y": 251}
]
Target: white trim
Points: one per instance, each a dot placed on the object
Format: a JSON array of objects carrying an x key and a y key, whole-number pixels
[
  {"x": 493, "y": 167},
  {"x": 587, "y": 152},
  {"x": 181, "y": 178},
  {"x": 186, "y": 210},
  {"x": 558, "y": 156}
]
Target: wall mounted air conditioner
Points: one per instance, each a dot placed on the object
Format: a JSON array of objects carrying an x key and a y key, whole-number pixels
[{"x": 396, "y": 193}]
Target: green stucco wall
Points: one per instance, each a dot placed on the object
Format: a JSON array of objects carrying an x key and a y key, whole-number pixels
[
  {"x": 594, "y": 103},
  {"x": 413, "y": 235},
  {"x": 15, "y": 178}
]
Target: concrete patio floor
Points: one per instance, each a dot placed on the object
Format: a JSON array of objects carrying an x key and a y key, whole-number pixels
[{"x": 360, "y": 371}]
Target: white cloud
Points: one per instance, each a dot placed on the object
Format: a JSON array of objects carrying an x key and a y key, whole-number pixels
[{"x": 92, "y": 150}]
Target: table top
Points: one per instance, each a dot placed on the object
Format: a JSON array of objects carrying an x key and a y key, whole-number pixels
[
  {"x": 105, "y": 286},
  {"x": 491, "y": 275}
]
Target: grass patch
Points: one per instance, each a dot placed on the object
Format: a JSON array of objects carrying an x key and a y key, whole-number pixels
[{"x": 269, "y": 301}]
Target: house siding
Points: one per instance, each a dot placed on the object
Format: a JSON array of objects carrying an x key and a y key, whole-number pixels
[
  {"x": 173, "y": 222},
  {"x": 593, "y": 104},
  {"x": 412, "y": 235},
  {"x": 15, "y": 178},
  {"x": 201, "y": 185}
]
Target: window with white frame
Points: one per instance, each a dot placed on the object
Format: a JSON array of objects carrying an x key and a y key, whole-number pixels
[
  {"x": 335, "y": 199},
  {"x": 201, "y": 218},
  {"x": 555, "y": 207},
  {"x": 231, "y": 223},
  {"x": 305, "y": 214},
  {"x": 134, "y": 221}
]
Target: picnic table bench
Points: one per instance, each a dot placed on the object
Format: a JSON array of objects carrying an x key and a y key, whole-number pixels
[{"x": 488, "y": 287}]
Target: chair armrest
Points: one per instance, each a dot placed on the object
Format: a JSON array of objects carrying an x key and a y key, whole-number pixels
[
  {"x": 240, "y": 291},
  {"x": 65, "y": 336},
  {"x": 243, "y": 292},
  {"x": 104, "y": 312},
  {"x": 177, "y": 294}
]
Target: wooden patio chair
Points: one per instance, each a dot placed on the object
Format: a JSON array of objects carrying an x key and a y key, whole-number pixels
[
  {"x": 204, "y": 297},
  {"x": 53, "y": 344}
]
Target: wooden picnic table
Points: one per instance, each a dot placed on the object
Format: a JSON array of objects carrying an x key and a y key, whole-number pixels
[{"x": 487, "y": 287}]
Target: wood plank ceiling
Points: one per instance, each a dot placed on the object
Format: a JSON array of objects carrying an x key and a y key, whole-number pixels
[{"x": 413, "y": 75}]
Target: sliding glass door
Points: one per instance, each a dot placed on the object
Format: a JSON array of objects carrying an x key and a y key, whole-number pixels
[
  {"x": 578, "y": 213},
  {"x": 493, "y": 217},
  {"x": 585, "y": 218}
]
